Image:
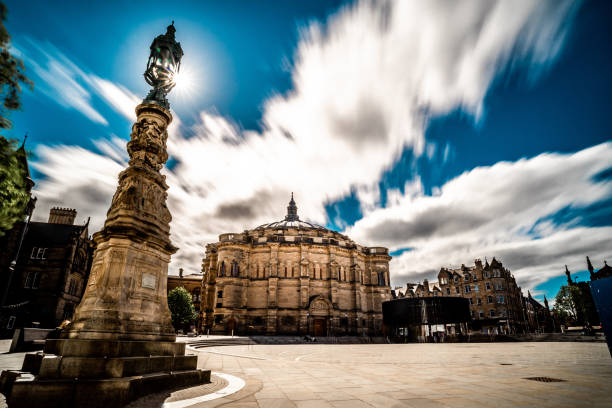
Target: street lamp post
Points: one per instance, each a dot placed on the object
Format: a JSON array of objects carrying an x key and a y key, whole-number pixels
[{"x": 122, "y": 329}]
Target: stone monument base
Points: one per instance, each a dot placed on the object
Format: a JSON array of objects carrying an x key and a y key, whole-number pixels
[{"x": 99, "y": 373}]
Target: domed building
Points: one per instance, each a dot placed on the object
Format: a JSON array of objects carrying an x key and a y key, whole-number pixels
[{"x": 292, "y": 277}]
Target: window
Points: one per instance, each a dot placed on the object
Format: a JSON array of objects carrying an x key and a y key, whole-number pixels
[
  {"x": 457, "y": 289},
  {"x": 467, "y": 289},
  {"x": 488, "y": 286},
  {"x": 235, "y": 269},
  {"x": 11, "y": 322},
  {"x": 492, "y": 313},
  {"x": 218, "y": 318},
  {"x": 222, "y": 269},
  {"x": 72, "y": 287},
  {"x": 476, "y": 288},
  {"x": 448, "y": 291},
  {"x": 472, "y": 313},
  {"x": 68, "y": 311},
  {"x": 36, "y": 280},
  {"x": 381, "y": 279},
  {"x": 258, "y": 321},
  {"x": 219, "y": 304},
  {"x": 220, "y": 294},
  {"x": 485, "y": 274},
  {"x": 480, "y": 314},
  {"x": 471, "y": 301},
  {"x": 499, "y": 286},
  {"x": 496, "y": 273},
  {"x": 479, "y": 301},
  {"x": 456, "y": 278},
  {"x": 489, "y": 299},
  {"x": 466, "y": 278},
  {"x": 29, "y": 279},
  {"x": 500, "y": 298}
]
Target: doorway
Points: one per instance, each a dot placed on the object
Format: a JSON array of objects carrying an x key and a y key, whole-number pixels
[
  {"x": 319, "y": 327},
  {"x": 230, "y": 326}
]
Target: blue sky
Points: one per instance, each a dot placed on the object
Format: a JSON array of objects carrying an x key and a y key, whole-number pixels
[{"x": 445, "y": 132}]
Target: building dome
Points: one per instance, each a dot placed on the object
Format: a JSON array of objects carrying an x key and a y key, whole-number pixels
[
  {"x": 293, "y": 277},
  {"x": 292, "y": 220}
]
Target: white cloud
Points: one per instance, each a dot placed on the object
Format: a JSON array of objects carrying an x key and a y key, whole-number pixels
[
  {"x": 61, "y": 82},
  {"x": 364, "y": 85},
  {"x": 119, "y": 97},
  {"x": 502, "y": 211},
  {"x": 66, "y": 83}
]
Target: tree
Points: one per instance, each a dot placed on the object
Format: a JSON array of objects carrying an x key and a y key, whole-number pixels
[
  {"x": 11, "y": 74},
  {"x": 181, "y": 307},
  {"x": 14, "y": 195},
  {"x": 13, "y": 189},
  {"x": 565, "y": 304}
]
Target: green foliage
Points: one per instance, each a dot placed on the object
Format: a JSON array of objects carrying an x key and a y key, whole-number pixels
[
  {"x": 11, "y": 74},
  {"x": 565, "y": 305},
  {"x": 574, "y": 305},
  {"x": 13, "y": 190},
  {"x": 181, "y": 307}
]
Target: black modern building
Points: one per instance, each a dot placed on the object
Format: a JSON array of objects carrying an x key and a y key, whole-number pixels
[{"x": 426, "y": 319}]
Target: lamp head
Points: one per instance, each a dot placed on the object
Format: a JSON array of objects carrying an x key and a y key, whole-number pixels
[{"x": 163, "y": 65}]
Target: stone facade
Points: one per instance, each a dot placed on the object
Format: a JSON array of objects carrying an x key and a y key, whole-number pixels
[
  {"x": 126, "y": 297},
  {"x": 50, "y": 274},
  {"x": 496, "y": 301},
  {"x": 295, "y": 278}
]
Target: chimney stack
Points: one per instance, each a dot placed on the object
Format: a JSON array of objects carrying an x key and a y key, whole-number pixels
[
  {"x": 59, "y": 215},
  {"x": 180, "y": 272}
]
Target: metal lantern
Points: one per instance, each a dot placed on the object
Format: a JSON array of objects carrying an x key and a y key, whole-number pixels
[{"x": 163, "y": 66}]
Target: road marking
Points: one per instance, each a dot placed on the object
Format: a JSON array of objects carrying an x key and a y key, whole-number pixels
[
  {"x": 235, "y": 384},
  {"x": 309, "y": 354}
]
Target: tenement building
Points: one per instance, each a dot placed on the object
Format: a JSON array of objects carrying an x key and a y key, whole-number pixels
[
  {"x": 51, "y": 270},
  {"x": 293, "y": 277},
  {"x": 495, "y": 299},
  {"x": 43, "y": 265}
]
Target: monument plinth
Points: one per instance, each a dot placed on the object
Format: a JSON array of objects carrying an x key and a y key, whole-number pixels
[{"x": 121, "y": 342}]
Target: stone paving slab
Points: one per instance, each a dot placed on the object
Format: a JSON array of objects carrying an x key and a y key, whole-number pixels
[
  {"x": 407, "y": 375},
  {"x": 419, "y": 375}
]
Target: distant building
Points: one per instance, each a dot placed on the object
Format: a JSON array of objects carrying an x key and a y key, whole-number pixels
[
  {"x": 604, "y": 272},
  {"x": 537, "y": 316},
  {"x": 495, "y": 300},
  {"x": 50, "y": 273},
  {"x": 586, "y": 312},
  {"x": 294, "y": 277},
  {"x": 44, "y": 266},
  {"x": 192, "y": 283}
]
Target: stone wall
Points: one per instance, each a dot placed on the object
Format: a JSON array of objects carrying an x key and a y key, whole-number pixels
[{"x": 293, "y": 281}]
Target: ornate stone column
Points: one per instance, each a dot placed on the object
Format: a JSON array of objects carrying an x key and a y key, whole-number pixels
[
  {"x": 121, "y": 343},
  {"x": 126, "y": 296}
]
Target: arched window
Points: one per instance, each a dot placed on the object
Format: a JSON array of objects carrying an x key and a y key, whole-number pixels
[
  {"x": 222, "y": 269},
  {"x": 235, "y": 269},
  {"x": 381, "y": 279},
  {"x": 286, "y": 272}
]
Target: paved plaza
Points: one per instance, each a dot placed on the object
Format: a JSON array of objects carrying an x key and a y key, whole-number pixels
[{"x": 394, "y": 375}]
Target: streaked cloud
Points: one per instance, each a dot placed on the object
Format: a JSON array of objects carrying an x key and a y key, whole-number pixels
[
  {"x": 504, "y": 210},
  {"x": 365, "y": 84}
]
